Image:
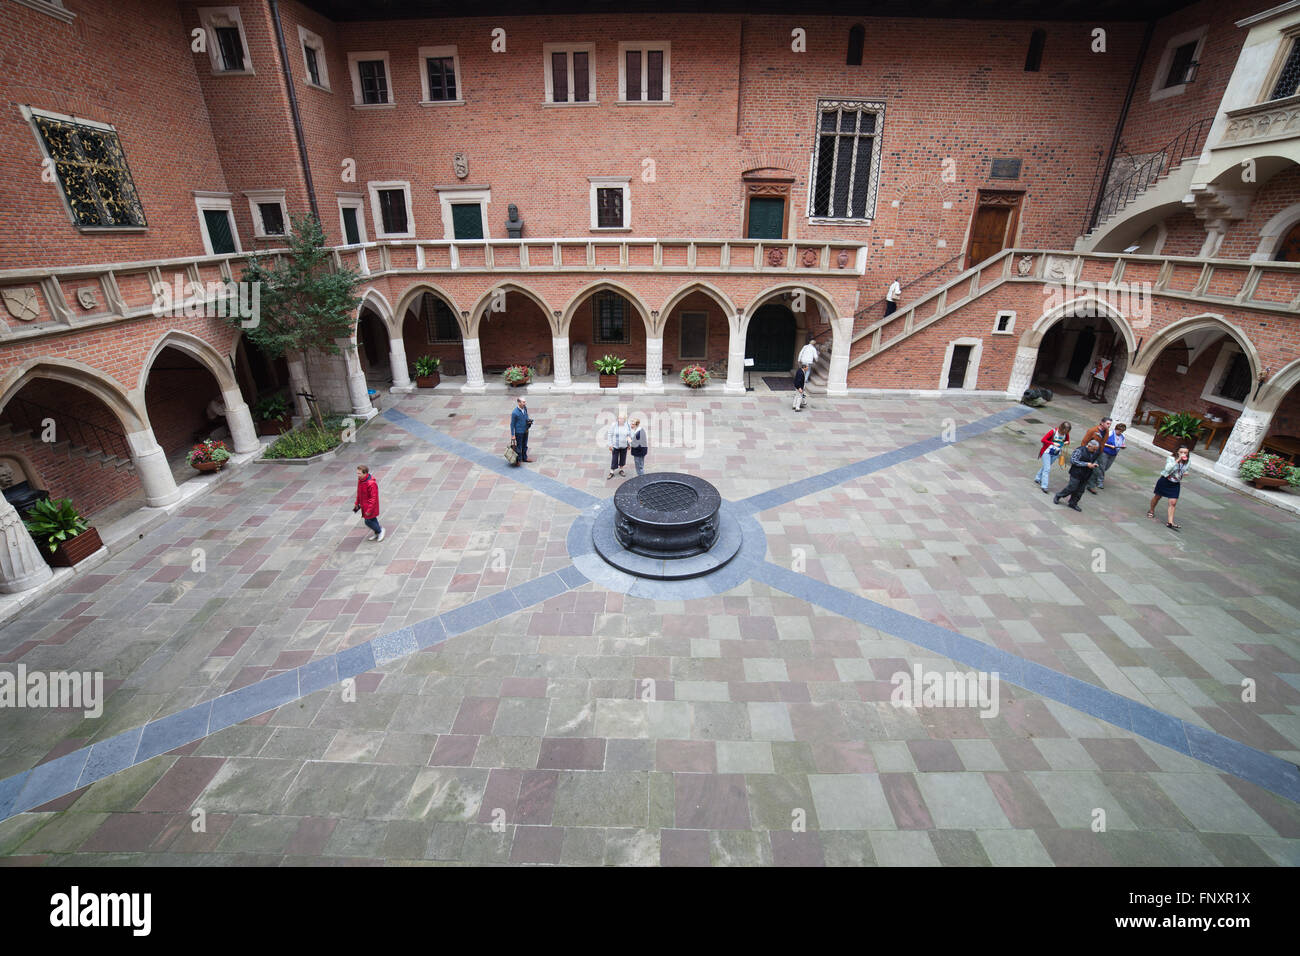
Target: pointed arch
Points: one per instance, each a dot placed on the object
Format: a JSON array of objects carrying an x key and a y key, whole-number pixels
[
  {"x": 605, "y": 285},
  {"x": 1091, "y": 307},
  {"x": 485, "y": 300},
  {"x": 91, "y": 380},
  {"x": 197, "y": 349},
  {"x": 375, "y": 301},
  {"x": 410, "y": 300},
  {"x": 1277, "y": 387},
  {"x": 825, "y": 304},
  {"x": 1195, "y": 323},
  {"x": 729, "y": 308}
]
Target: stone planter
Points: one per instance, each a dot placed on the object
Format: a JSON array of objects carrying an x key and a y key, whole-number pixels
[
  {"x": 1269, "y": 482},
  {"x": 608, "y": 381},
  {"x": 1171, "y": 444},
  {"x": 207, "y": 466},
  {"x": 271, "y": 426},
  {"x": 74, "y": 550},
  {"x": 428, "y": 381},
  {"x": 519, "y": 384}
]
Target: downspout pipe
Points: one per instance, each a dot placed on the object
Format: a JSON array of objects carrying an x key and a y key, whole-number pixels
[
  {"x": 1119, "y": 127},
  {"x": 293, "y": 110}
]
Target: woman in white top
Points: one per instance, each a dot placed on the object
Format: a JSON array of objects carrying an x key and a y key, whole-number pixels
[
  {"x": 620, "y": 437},
  {"x": 1169, "y": 484}
]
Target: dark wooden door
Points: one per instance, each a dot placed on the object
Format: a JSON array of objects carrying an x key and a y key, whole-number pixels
[
  {"x": 957, "y": 369},
  {"x": 770, "y": 339},
  {"x": 988, "y": 234}
]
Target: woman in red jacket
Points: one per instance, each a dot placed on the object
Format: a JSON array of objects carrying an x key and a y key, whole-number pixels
[
  {"x": 1054, "y": 443},
  {"x": 368, "y": 502}
]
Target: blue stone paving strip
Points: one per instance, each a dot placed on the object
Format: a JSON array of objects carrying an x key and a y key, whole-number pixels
[
  {"x": 807, "y": 486},
  {"x": 61, "y": 776},
  {"x": 492, "y": 462},
  {"x": 1260, "y": 768}
]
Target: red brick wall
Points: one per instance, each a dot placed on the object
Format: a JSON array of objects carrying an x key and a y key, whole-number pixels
[
  {"x": 1286, "y": 420},
  {"x": 177, "y": 395},
  {"x": 1185, "y": 235},
  {"x": 1181, "y": 392},
  {"x": 1278, "y": 193},
  {"x": 517, "y": 335}
]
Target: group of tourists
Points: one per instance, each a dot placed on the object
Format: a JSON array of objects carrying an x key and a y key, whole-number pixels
[{"x": 1093, "y": 457}]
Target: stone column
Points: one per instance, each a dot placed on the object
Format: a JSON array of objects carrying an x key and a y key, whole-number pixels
[
  {"x": 397, "y": 363},
  {"x": 21, "y": 564},
  {"x": 1128, "y": 398},
  {"x": 1022, "y": 371},
  {"x": 152, "y": 468},
  {"x": 736, "y": 357},
  {"x": 243, "y": 433},
  {"x": 560, "y": 362},
  {"x": 1249, "y": 429},
  {"x": 297, "y": 385},
  {"x": 473, "y": 367},
  {"x": 837, "y": 377},
  {"x": 358, "y": 391},
  {"x": 654, "y": 364}
]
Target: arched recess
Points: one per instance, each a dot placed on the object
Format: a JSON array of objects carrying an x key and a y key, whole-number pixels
[
  {"x": 197, "y": 349},
  {"x": 374, "y": 301},
  {"x": 97, "y": 383},
  {"x": 1275, "y": 233},
  {"x": 712, "y": 291},
  {"x": 431, "y": 326},
  {"x": 586, "y": 292},
  {"x": 825, "y": 304},
  {"x": 1195, "y": 323},
  {"x": 1053, "y": 353},
  {"x": 1278, "y": 387},
  {"x": 695, "y": 323},
  {"x": 1086, "y": 305},
  {"x": 471, "y": 326},
  {"x": 411, "y": 300}
]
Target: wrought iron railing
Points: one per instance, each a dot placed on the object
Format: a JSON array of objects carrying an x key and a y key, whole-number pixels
[
  {"x": 1187, "y": 143},
  {"x": 28, "y": 416}
]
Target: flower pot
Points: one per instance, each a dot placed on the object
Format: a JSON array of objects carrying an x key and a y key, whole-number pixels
[
  {"x": 608, "y": 381},
  {"x": 1171, "y": 444},
  {"x": 1262, "y": 482},
  {"x": 270, "y": 426},
  {"x": 427, "y": 381},
  {"x": 74, "y": 550},
  {"x": 206, "y": 466},
  {"x": 519, "y": 384}
]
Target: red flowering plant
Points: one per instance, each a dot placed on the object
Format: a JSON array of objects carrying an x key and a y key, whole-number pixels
[
  {"x": 1261, "y": 464},
  {"x": 208, "y": 451},
  {"x": 694, "y": 376}
]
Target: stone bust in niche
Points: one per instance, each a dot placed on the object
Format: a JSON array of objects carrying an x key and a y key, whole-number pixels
[{"x": 514, "y": 225}]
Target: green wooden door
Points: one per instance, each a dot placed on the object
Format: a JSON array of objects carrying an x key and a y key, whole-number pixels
[
  {"x": 219, "y": 234},
  {"x": 467, "y": 220},
  {"x": 770, "y": 339},
  {"x": 766, "y": 218},
  {"x": 351, "y": 231}
]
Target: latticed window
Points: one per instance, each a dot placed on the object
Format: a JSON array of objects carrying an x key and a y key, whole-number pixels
[
  {"x": 93, "y": 172},
  {"x": 442, "y": 78},
  {"x": 439, "y": 321},
  {"x": 845, "y": 165},
  {"x": 1236, "y": 381},
  {"x": 374, "y": 81},
  {"x": 1288, "y": 81},
  {"x": 611, "y": 319}
]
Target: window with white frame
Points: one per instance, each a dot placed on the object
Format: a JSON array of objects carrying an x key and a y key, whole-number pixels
[
  {"x": 370, "y": 79},
  {"x": 464, "y": 212},
  {"x": 846, "y": 160},
  {"x": 91, "y": 168},
  {"x": 1178, "y": 64},
  {"x": 390, "y": 210},
  {"x": 217, "y": 223},
  {"x": 693, "y": 341},
  {"x": 1230, "y": 380},
  {"x": 226, "y": 42},
  {"x": 570, "y": 72},
  {"x": 270, "y": 216},
  {"x": 440, "y": 75},
  {"x": 610, "y": 202},
  {"x": 313, "y": 58},
  {"x": 643, "y": 72},
  {"x": 1004, "y": 323},
  {"x": 352, "y": 219}
]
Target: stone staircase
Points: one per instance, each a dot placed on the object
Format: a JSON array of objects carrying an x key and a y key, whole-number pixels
[
  {"x": 11, "y": 437},
  {"x": 1166, "y": 190}
]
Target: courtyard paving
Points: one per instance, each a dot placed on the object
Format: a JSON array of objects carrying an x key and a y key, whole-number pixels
[{"x": 478, "y": 689}]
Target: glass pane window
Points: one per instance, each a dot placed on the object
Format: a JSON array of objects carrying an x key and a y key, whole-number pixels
[
  {"x": 560, "y": 76},
  {"x": 581, "y": 80},
  {"x": 611, "y": 319},
  {"x": 1180, "y": 65},
  {"x": 272, "y": 218},
  {"x": 633, "y": 74},
  {"x": 219, "y": 232},
  {"x": 467, "y": 220},
  {"x": 374, "y": 81},
  {"x": 313, "y": 65},
  {"x": 609, "y": 208},
  {"x": 231, "y": 48},
  {"x": 442, "y": 78},
  {"x": 93, "y": 172},
  {"x": 351, "y": 229},
  {"x": 1236, "y": 381},
  {"x": 845, "y": 162},
  {"x": 654, "y": 74},
  {"x": 439, "y": 322},
  {"x": 392, "y": 207}
]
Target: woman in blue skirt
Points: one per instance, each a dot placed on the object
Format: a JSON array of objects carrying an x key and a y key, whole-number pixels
[{"x": 1169, "y": 483}]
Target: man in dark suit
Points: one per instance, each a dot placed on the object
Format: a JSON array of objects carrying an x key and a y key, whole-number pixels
[
  {"x": 1082, "y": 465},
  {"x": 519, "y": 422}
]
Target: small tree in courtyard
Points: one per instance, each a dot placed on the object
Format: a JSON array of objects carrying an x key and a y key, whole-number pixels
[{"x": 306, "y": 302}]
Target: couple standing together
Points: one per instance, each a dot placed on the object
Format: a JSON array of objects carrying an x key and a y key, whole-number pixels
[{"x": 625, "y": 436}]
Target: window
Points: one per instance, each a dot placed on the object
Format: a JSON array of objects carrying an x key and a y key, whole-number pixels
[
  {"x": 1005, "y": 323},
  {"x": 569, "y": 76},
  {"x": 92, "y": 171},
  {"x": 694, "y": 344},
  {"x": 1177, "y": 65},
  {"x": 609, "y": 202},
  {"x": 609, "y": 310},
  {"x": 351, "y": 219},
  {"x": 845, "y": 160},
  {"x": 1182, "y": 66},
  {"x": 54, "y": 8},
  {"x": 440, "y": 81},
  {"x": 1034, "y": 59},
  {"x": 857, "y": 39},
  {"x": 269, "y": 215},
  {"x": 440, "y": 323},
  {"x": 369, "y": 79},
  {"x": 227, "y": 46},
  {"x": 464, "y": 212},
  {"x": 313, "y": 55},
  {"x": 1230, "y": 381},
  {"x": 1288, "y": 79},
  {"x": 643, "y": 70},
  {"x": 217, "y": 223},
  {"x": 390, "y": 208}
]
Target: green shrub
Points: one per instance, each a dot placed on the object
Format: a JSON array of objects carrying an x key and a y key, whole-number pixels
[
  {"x": 307, "y": 441},
  {"x": 273, "y": 408},
  {"x": 1182, "y": 425},
  {"x": 426, "y": 365},
  {"x": 609, "y": 364}
]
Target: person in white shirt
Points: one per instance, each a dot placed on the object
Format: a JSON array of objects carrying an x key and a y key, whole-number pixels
[
  {"x": 620, "y": 437},
  {"x": 891, "y": 297},
  {"x": 808, "y": 354}
]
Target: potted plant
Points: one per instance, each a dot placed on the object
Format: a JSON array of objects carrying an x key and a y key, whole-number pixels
[
  {"x": 62, "y": 533},
  {"x": 1264, "y": 470},
  {"x": 426, "y": 371},
  {"x": 208, "y": 455},
  {"x": 1293, "y": 476},
  {"x": 695, "y": 376},
  {"x": 1178, "y": 430},
  {"x": 272, "y": 414},
  {"x": 609, "y": 366},
  {"x": 517, "y": 375}
]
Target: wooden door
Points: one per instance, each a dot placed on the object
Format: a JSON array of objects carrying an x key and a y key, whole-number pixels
[
  {"x": 988, "y": 233},
  {"x": 770, "y": 340}
]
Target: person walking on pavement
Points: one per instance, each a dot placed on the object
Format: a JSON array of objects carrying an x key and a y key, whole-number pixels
[
  {"x": 640, "y": 446},
  {"x": 1082, "y": 464},
  {"x": 519, "y": 425},
  {"x": 1054, "y": 443},
  {"x": 800, "y": 380},
  {"x": 1170, "y": 484},
  {"x": 620, "y": 437},
  {"x": 1110, "y": 451},
  {"x": 1098, "y": 433},
  {"x": 892, "y": 296},
  {"x": 368, "y": 502}
]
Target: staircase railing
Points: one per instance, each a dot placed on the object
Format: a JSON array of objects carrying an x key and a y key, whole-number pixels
[
  {"x": 1187, "y": 143},
  {"x": 28, "y": 416},
  {"x": 869, "y": 309}
]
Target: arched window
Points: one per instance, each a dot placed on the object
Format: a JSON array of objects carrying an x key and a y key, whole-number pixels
[
  {"x": 857, "y": 37},
  {"x": 1035, "y": 58}
]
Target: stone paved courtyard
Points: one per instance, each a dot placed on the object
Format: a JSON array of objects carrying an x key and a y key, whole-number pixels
[{"x": 502, "y": 707}]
